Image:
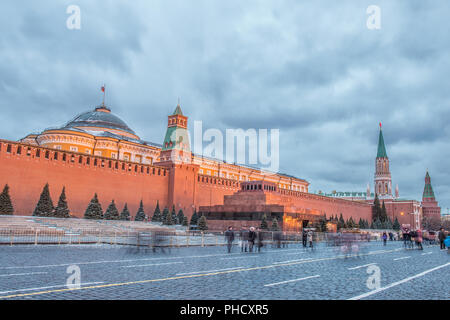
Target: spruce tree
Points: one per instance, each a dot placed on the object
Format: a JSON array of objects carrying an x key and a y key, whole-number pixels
[
  {"x": 169, "y": 221},
  {"x": 174, "y": 215},
  {"x": 185, "y": 222},
  {"x": 94, "y": 209},
  {"x": 361, "y": 223},
  {"x": 388, "y": 224},
  {"x": 341, "y": 222},
  {"x": 383, "y": 213},
  {"x": 202, "y": 224},
  {"x": 378, "y": 224},
  {"x": 164, "y": 215},
  {"x": 180, "y": 217},
  {"x": 125, "y": 214},
  {"x": 376, "y": 208},
  {"x": 62, "y": 210},
  {"x": 111, "y": 212},
  {"x": 350, "y": 223},
  {"x": 275, "y": 226},
  {"x": 396, "y": 225},
  {"x": 157, "y": 214},
  {"x": 6, "y": 206},
  {"x": 44, "y": 207},
  {"x": 323, "y": 225},
  {"x": 140, "y": 215},
  {"x": 194, "y": 218},
  {"x": 264, "y": 225}
]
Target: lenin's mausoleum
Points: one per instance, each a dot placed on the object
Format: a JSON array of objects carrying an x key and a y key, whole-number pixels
[{"x": 97, "y": 152}]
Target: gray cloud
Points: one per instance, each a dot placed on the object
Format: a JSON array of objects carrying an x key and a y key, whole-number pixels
[{"x": 310, "y": 68}]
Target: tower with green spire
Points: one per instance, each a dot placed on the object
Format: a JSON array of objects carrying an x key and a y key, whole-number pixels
[
  {"x": 430, "y": 208},
  {"x": 383, "y": 182},
  {"x": 176, "y": 147},
  {"x": 428, "y": 194},
  {"x": 176, "y": 156}
]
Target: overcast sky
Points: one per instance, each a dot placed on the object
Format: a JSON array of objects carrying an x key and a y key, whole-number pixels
[{"x": 310, "y": 68}]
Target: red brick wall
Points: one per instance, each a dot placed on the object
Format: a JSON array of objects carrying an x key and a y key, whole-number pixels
[
  {"x": 27, "y": 175},
  {"x": 329, "y": 206},
  {"x": 181, "y": 185},
  {"x": 211, "y": 191}
]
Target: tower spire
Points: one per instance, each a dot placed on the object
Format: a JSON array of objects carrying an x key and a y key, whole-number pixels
[
  {"x": 383, "y": 182},
  {"x": 428, "y": 189},
  {"x": 381, "y": 147}
]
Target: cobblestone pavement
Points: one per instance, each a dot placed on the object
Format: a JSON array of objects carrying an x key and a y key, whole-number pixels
[{"x": 109, "y": 272}]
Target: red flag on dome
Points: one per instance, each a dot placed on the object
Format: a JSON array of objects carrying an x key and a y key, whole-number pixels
[
  {"x": 380, "y": 125},
  {"x": 103, "y": 88}
]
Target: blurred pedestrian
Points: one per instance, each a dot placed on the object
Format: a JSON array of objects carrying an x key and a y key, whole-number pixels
[
  {"x": 441, "y": 238},
  {"x": 310, "y": 238},
  {"x": 244, "y": 239},
  {"x": 419, "y": 239},
  {"x": 384, "y": 238},
  {"x": 251, "y": 239},
  {"x": 304, "y": 238},
  {"x": 447, "y": 243},
  {"x": 259, "y": 239},
  {"x": 229, "y": 238}
]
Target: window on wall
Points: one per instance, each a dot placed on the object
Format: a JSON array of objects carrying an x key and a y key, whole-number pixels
[
  {"x": 87, "y": 151},
  {"x": 113, "y": 155},
  {"x": 98, "y": 153},
  {"x": 58, "y": 147},
  {"x": 74, "y": 149},
  {"x": 126, "y": 157}
]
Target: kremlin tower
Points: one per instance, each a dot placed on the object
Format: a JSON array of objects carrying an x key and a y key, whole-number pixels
[
  {"x": 383, "y": 183},
  {"x": 430, "y": 208}
]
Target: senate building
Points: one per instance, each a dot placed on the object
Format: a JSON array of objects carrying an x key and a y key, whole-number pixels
[{"x": 97, "y": 152}]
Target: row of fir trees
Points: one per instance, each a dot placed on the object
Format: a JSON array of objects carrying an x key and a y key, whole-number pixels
[{"x": 45, "y": 208}]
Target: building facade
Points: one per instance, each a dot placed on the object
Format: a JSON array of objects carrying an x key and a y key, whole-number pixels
[{"x": 97, "y": 152}]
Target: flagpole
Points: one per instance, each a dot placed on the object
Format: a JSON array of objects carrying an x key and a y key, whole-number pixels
[{"x": 104, "y": 93}]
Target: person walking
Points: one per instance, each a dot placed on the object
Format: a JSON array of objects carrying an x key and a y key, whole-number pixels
[
  {"x": 304, "y": 238},
  {"x": 244, "y": 239},
  {"x": 229, "y": 238},
  {"x": 419, "y": 239},
  {"x": 251, "y": 239},
  {"x": 405, "y": 237},
  {"x": 310, "y": 238},
  {"x": 259, "y": 239},
  {"x": 441, "y": 238},
  {"x": 384, "y": 238}
]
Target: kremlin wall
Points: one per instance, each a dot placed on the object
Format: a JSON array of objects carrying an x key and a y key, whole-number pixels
[{"x": 97, "y": 152}]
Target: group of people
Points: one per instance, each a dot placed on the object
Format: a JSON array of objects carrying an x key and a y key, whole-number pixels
[
  {"x": 247, "y": 238},
  {"x": 416, "y": 236},
  {"x": 252, "y": 238}
]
